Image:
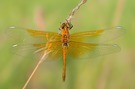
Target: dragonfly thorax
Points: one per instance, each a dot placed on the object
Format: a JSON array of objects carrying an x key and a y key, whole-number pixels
[
  {"x": 65, "y": 37},
  {"x": 65, "y": 27}
]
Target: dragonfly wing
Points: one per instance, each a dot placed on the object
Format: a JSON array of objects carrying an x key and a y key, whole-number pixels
[
  {"x": 54, "y": 49},
  {"x": 22, "y": 39},
  {"x": 48, "y": 36},
  {"x": 98, "y": 36},
  {"x": 79, "y": 50},
  {"x": 29, "y": 35},
  {"x": 51, "y": 50}
]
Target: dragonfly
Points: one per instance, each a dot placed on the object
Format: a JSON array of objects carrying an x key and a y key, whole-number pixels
[{"x": 79, "y": 45}]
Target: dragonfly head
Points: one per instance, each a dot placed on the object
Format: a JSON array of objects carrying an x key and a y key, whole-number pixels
[{"x": 66, "y": 25}]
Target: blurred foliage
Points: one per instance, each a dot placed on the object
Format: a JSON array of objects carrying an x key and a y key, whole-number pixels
[{"x": 115, "y": 71}]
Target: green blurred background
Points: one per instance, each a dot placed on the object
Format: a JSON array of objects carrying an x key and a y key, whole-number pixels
[{"x": 114, "y": 71}]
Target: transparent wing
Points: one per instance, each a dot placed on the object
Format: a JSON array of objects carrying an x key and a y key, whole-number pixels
[
  {"x": 98, "y": 36},
  {"x": 29, "y": 35},
  {"x": 22, "y": 40},
  {"x": 38, "y": 50},
  {"x": 79, "y": 50},
  {"x": 54, "y": 49}
]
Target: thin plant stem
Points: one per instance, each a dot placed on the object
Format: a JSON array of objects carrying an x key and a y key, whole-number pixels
[
  {"x": 75, "y": 9},
  {"x": 31, "y": 75}
]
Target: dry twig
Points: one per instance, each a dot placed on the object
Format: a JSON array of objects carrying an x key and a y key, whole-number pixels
[
  {"x": 75, "y": 9},
  {"x": 40, "y": 61}
]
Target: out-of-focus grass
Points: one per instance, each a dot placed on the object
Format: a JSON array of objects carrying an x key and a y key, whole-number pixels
[{"x": 115, "y": 71}]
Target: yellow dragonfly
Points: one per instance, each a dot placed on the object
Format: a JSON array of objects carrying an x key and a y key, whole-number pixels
[{"x": 80, "y": 45}]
